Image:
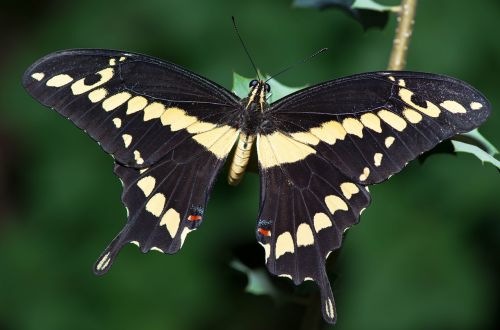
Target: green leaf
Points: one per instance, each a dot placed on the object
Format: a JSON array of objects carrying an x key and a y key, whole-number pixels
[
  {"x": 278, "y": 90},
  {"x": 372, "y": 5},
  {"x": 259, "y": 282},
  {"x": 367, "y": 12},
  {"x": 240, "y": 85},
  {"x": 477, "y": 139},
  {"x": 476, "y": 151}
]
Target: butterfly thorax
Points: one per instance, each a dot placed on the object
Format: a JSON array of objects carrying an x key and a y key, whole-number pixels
[{"x": 254, "y": 107}]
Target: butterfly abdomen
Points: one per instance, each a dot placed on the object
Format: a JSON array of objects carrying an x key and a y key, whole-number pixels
[
  {"x": 255, "y": 105},
  {"x": 240, "y": 158}
]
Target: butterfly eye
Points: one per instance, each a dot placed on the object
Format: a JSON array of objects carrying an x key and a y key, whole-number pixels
[
  {"x": 253, "y": 83},
  {"x": 267, "y": 88}
]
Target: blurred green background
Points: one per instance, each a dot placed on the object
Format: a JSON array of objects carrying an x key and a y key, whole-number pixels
[{"x": 425, "y": 256}]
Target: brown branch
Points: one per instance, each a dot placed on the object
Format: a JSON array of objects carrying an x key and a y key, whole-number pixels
[{"x": 406, "y": 19}]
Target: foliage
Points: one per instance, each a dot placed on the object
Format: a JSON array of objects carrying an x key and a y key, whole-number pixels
[{"x": 367, "y": 12}]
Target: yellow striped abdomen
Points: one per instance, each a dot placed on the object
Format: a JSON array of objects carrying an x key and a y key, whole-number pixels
[{"x": 240, "y": 159}]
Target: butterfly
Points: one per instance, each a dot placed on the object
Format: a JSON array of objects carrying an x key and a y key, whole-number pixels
[{"x": 170, "y": 131}]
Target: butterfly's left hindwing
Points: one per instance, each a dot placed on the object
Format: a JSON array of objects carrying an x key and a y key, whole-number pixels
[{"x": 165, "y": 202}]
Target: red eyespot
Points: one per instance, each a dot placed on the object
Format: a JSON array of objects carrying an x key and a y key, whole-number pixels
[{"x": 264, "y": 232}]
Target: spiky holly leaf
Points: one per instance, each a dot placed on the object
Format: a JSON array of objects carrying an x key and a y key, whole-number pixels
[{"x": 367, "y": 12}]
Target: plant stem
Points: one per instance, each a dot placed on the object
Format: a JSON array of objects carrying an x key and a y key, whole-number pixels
[{"x": 406, "y": 19}]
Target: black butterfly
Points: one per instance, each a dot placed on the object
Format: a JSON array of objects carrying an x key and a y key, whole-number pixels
[{"x": 170, "y": 131}]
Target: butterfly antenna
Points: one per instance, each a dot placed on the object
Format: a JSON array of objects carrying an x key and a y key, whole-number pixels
[
  {"x": 299, "y": 62},
  {"x": 245, "y": 48}
]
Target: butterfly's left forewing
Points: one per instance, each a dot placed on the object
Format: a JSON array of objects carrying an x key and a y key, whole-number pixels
[
  {"x": 168, "y": 129},
  {"x": 135, "y": 106}
]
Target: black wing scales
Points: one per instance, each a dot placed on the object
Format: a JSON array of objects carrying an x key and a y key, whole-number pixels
[
  {"x": 323, "y": 145},
  {"x": 164, "y": 202},
  {"x": 370, "y": 125},
  {"x": 170, "y": 132},
  {"x": 168, "y": 129},
  {"x": 137, "y": 107},
  {"x": 305, "y": 209}
]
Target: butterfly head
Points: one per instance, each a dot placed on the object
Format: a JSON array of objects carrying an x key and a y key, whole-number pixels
[{"x": 258, "y": 92}]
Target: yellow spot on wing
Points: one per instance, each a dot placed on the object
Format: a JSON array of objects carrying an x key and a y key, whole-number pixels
[
  {"x": 476, "y": 105},
  {"x": 392, "y": 119},
  {"x": 117, "y": 122},
  {"x": 137, "y": 103},
  {"x": 305, "y": 137},
  {"x": 38, "y": 75},
  {"x": 183, "y": 122},
  {"x": 155, "y": 204},
  {"x": 304, "y": 235},
  {"x": 184, "y": 233},
  {"x": 430, "y": 109},
  {"x": 127, "y": 139},
  {"x": 154, "y": 110},
  {"x": 147, "y": 184},
  {"x": 200, "y": 127},
  {"x": 377, "y": 159},
  {"x": 389, "y": 141},
  {"x": 329, "y": 308},
  {"x": 391, "y": 78},
  {"x": 267, "y": 249},
  {"x": 284, "y": 244},
  {"x": 335, "y": 203},
  {"x": 353, "y": 126},
  {"x": 412, "y": 116},
  {"x": 349, "y": 189},
  {"x": 103, "y": 262},
  {"x": 329, "y": 132},
  {"x": 113, "y": 102},
  {"x": 137, "y": 157},
  {"x": 171, "y": 219},
  {"x": 171, "y": 115},
  {"x": 402, "y": 83},
  {"x": 277, "y": 148},
  {"x": 453, "y": 106},
  {"x": 371, "y": 121},
  {"x": 97, "y": 95},
  {"x": 179, "y": 119},
  {"x": 321, "y": 221},
  {"x": 112, "y": 61},
  {"x": 365, "y": 174},
  {"x": 219, "y": 141},
  {"x": 79, "y": 87},
  {"x": 59, "y": 80}
]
